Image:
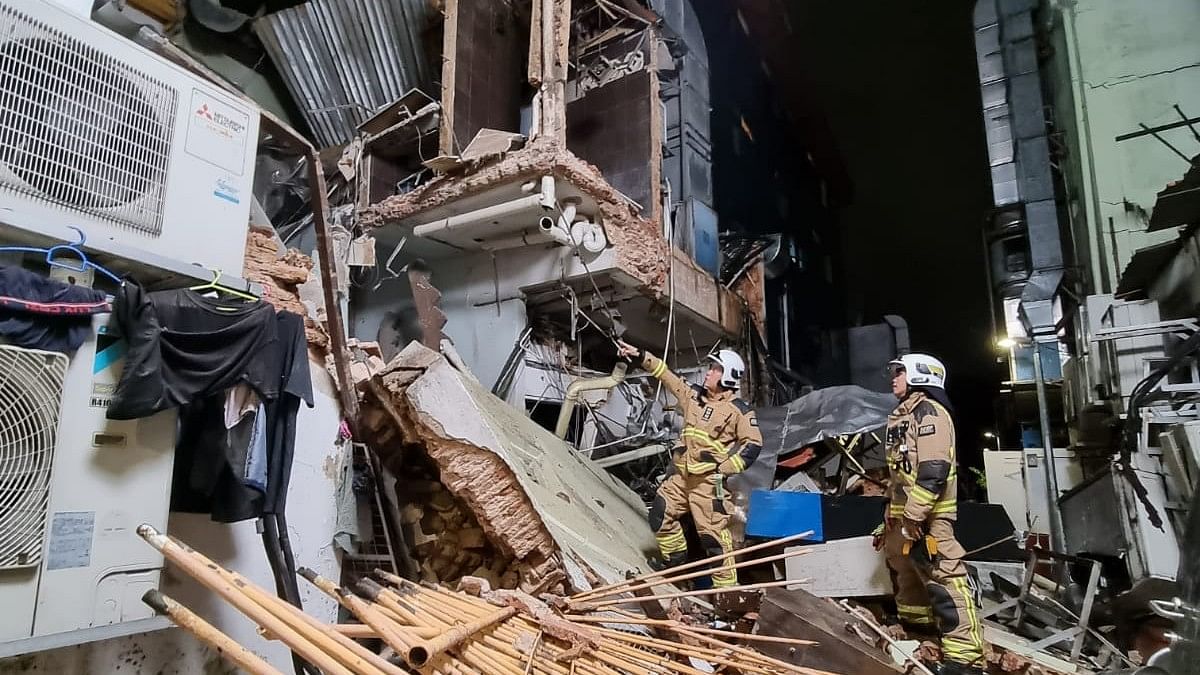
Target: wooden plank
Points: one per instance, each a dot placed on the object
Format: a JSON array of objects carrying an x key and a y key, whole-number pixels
[
  {"x": 799, "y": 614},
  {"x": 449, "y": 49},
  {"x": 535, "y": 44},
  {"x": 656, "y": 133}
]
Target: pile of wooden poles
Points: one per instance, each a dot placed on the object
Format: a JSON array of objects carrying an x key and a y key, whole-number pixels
[{"x": 432, "y": 629}]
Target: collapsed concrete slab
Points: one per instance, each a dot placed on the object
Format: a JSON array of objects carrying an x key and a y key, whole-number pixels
[{"x": 565, "y": 521}]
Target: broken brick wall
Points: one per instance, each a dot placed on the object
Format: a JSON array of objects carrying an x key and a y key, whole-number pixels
[
  {"x": 281, "y": 276},
  {"x": 517, "y": 550}
]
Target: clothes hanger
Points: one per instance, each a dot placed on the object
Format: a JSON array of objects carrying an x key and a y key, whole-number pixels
[
  {"x": 215, "y": 285},
  {"x": 75, "y": 250}
]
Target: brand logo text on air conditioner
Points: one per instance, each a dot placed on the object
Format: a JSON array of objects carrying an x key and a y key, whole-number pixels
[{"x": 224, "y": 121}]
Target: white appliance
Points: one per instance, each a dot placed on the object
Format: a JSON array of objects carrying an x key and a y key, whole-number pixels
[
  {"x": 89, "y": 568},
  {"x": 98, "y": 133},
  {"x": 1006, "y": 484},
  {"x": 1068, "y": 472},
  {"x": 156, "y": 167}
]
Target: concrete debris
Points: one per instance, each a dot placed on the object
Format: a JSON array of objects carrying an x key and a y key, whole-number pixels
[
  {"x": 506, "y": 474},
  {"x": 281, "y": 275},
  {"x": 491, "y": 143},
  {"x": 426, "y": 299}
]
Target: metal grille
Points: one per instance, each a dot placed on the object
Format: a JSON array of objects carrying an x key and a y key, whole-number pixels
[
  {"x": 31, "y": 385},
  {"x": 79, "y": 128},
  {"x": 374, "y": 546}
]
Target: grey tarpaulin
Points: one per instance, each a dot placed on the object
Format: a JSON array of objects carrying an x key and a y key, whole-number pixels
[{"x": 824, "y": 413}]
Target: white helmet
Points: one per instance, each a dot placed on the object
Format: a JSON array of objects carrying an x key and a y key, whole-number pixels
[
  {"x": 922, "y": 370},
  {"x": 732, "y": 368}
]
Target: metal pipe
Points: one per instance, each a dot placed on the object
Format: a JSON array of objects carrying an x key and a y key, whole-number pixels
[
  {"x": 1056, "y": 526},
  {"x": 581, "y": 385}
]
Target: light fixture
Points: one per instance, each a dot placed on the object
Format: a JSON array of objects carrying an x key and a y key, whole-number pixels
[
  {"x": 1006, "y": 343},
  {"x": 988, "y": 434}
]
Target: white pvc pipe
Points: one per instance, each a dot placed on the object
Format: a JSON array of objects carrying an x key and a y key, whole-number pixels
[
  {"x": 543, "y": 199},
  {"x": 524, "y": 239}
]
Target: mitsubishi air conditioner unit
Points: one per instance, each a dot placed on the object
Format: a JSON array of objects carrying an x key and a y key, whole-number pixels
[{"x": 98, "y": 133}]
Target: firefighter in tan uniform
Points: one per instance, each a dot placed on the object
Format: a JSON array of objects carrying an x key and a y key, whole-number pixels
[
  {"x": 720, "y": 438},
  {"x": 933, "y": 591}
]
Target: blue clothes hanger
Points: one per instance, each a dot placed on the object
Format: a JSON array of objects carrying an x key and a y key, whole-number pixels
[{"x": 75, "y": 249}]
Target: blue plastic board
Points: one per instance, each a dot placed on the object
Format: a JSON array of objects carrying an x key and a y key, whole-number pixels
[{"x": 777, "y": 513}]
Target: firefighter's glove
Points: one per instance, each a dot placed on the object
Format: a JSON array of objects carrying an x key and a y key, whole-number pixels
[
  {"x": 726, "y": 468},
  {"x": 912, "y": 530},
  {"x": 878, "y": 537}
]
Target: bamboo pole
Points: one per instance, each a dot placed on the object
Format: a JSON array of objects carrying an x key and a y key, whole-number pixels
[
  {"x": 692, "y": 575},
  {"x": 608, "y": 589},
  {"x": 696, "y": 652},
  {"x": 355, "y": 631},
  {"x": 592, "y": 606},
  {"x": 491, "y": 652},
  {"x": 537, "y": 642},
  {"x": 353, "y": 655},
  {"x": 186, "y": 559},
  {"x": 208, "y": 634},
  {"x": 363, "y": 611},
  {"x": 749, "y": 653},
  {"x": 467, "y": 603},
  {"x": 388, "y": 597},
  {"x": 420, "y": 654},
  {"x": 677, "y": 626},
  {"x": 473, "y": 606}
]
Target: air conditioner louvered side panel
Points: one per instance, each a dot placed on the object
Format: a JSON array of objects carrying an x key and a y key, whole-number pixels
[
  {"x": 80, "y": 129},
  {"x": 31, "y": 387}
]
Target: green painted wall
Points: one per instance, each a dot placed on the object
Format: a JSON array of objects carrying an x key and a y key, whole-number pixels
[{"x": 1111, "y": 65}]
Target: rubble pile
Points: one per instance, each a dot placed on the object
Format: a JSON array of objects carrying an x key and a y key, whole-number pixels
[
  {"x": 446, "y": 540},
  {"x": 465, "y": 513}
]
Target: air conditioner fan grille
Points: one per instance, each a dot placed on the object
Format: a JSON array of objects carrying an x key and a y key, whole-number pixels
[
  {"x": 79, "y": 128},
  {"x": 31, "y": 385}
]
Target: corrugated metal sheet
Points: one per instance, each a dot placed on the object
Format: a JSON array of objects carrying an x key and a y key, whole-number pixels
[{"x": 344, "y": 59}]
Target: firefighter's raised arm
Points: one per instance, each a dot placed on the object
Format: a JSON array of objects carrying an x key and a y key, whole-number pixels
[{"x": 656, "y": 367}]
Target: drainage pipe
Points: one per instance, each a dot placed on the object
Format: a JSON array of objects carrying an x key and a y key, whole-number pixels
[
  {"x": 544, "y": 198},
  {"x": 581, "y": 385},
  {"x": 524, "y": 239}
]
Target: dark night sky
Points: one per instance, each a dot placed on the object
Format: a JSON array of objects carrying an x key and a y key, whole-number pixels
[{"x": 897, "y": 86}]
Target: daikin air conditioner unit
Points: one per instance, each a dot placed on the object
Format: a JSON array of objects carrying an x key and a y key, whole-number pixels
[
  {"x": 98, "y": 133},
  {"x": 74, "y": 486}
]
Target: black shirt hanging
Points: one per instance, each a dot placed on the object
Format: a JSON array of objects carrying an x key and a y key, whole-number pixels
[{"x": 184, "y": 347}]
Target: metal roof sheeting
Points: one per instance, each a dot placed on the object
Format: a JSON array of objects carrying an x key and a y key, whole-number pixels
[{"x": 344, "y": 59}]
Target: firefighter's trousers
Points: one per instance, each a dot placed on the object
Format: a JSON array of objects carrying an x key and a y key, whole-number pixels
[
  {"x": 705, "y": 497},
  {"x": 936, "y": 590}
]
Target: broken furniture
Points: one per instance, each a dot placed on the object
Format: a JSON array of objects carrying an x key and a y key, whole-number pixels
[{"x": 1026, "y": 601}]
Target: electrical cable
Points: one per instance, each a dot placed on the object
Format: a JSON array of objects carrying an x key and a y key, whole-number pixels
[
  {"x": 670, "y": 319},
  {"x": 1133, "y": 423}
]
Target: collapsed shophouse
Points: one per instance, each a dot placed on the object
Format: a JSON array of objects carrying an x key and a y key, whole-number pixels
[
  {"x": 470, "y": 217},
  {"x": 463, "y": 259}
]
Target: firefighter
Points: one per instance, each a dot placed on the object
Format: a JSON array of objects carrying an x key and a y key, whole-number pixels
[
  {"x": 932, "y": 589},
  {"x": 720, "y": 438}
]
